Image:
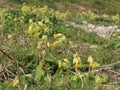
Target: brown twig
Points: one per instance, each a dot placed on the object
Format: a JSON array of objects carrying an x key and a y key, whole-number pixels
[
  {"x": 11, "y": 58},
  {"x": 6, "y": 54},
  {"x": 110, "y": 65},
  {"x": 9, "y": 71},
  {"x": 5, "y": 77}
]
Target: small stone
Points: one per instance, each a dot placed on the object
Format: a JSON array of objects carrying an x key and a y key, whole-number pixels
[
  {"x": 85, "y": 22},
  {"x": 94, "y": 47}
]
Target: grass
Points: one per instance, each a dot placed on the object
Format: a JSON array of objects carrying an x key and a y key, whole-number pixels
[
  {"x": 31, "y": 68},
  {"x": 110, "y": 7},
  {"x": 85, "y": 40},
  {"x": 96, "y": 6}
]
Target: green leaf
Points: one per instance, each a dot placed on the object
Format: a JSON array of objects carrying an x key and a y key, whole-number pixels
[
  {"x": 39, "y": 71},
  {"x": 105, "y": 79},
  {"x": 49, "y": 59},
  {"x": 6, "y": 86},
  {"x": 74, "y": 78}
]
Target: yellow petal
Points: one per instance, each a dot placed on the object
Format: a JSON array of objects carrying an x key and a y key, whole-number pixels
[
  {"x": 90, "y": 59},
  {"x": 57, "y": 35},
  {"x": 55, "y": 44},
  {"x": 40, "y": 23},
  {"x": 15, "y": 81},
  {"x": 36, "y": 35},
  {"x": 91, "y": 64},
  {"x": 59, "y": 64},
  {"x": 30, "y": 21},
  {"x": 72, "y": 46},
  {"x": 37, "y": 28},
  {"x": 48, "y": 44},
  {"x": 66, "y": 60},
  {"x": 39, "y": 45},
  {"x": 78, "y": 65},
  {"x": 30, "y": 31},
  {"x": 97, "y": 79},
  {"x": 9, "y": 36}
]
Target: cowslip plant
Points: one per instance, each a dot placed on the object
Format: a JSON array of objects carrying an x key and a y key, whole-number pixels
[
  {"x": 64, "y": 63},
  {"x": 92, "y": 17},
  {"x": 91, "y": 62},
  {"x": 77, "y": 60},
  {"x": 60, "y": 39},
  {"x": 78, "y": 74},
  {"x": 45, "y": 40}
]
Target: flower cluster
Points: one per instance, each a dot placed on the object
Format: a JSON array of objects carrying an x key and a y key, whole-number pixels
[
  {"x": 60, "y": 39},
  {"x": 90, "y": 16},
  {"x": 92, "y": 63},
  {"x": 37, "y": 29},
  {"x": 77, "y": 60},
  {"x": 65, "y": 63}
]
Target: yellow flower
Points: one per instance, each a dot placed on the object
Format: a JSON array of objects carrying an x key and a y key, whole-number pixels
[
  {"x": 39, "y": 45},
  {"x": 105, "y": 16},
  {"x": 47, "y": 20},
  {"x": 65, "y": 65},
  {"x": 95, "y": 65},
  {"x": 90, "y": 60},
  {"x": 36, "y": 35},
  {"x": 10, "y": 36},
  {"x": 76, "y": 60},
  {"x": 43, "y": 9},
  {"x": 40, "y": 23},
  {"x": 31, "y": 26},
  {"x": 92, "y": 65},
  {"x": 48, "y": 44},
  {"x": 77, "y": 65},
  {"x": 30, "y": 21},
  {"x": 43, "y": 52},
  {"x": 15, "y": 19},
  {"x": 97, "y": 79},
  {"x": 72, "y": 46},
  {"x": 57, "y": 35},
  {"x": 62, "y": 39},
  {"x": 54, "y": 35},
  {"x": 115, "y": 17},
  {"x": 44, "y": 38},
  {"x": 59, "y": 64},
  {"x": 46, "y": 29},
  {"x": 25, "y": 9},
  {"x": 37, "y": 28},
  {"x": 66, "y": 60},
  {"x": 30, "y": 31},
  {"x": 15, "y": 81},
  {"x": 55, "y": 43}
]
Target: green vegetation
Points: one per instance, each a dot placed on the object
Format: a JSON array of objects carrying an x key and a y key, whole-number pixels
[
  {"x": 39, "y": 51},
  {"x": 99, "y": 6}
]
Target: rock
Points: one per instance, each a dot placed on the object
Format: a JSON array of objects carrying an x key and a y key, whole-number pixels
[
  {"x": 94, "y": 47},
  {"x": 84, "y": 22},
  {"x": 91, "y": 26},
  {"x": 102, "y": 31}
]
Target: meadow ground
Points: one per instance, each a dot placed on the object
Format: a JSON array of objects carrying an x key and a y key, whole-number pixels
[{"x": 39, "y": 50}]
